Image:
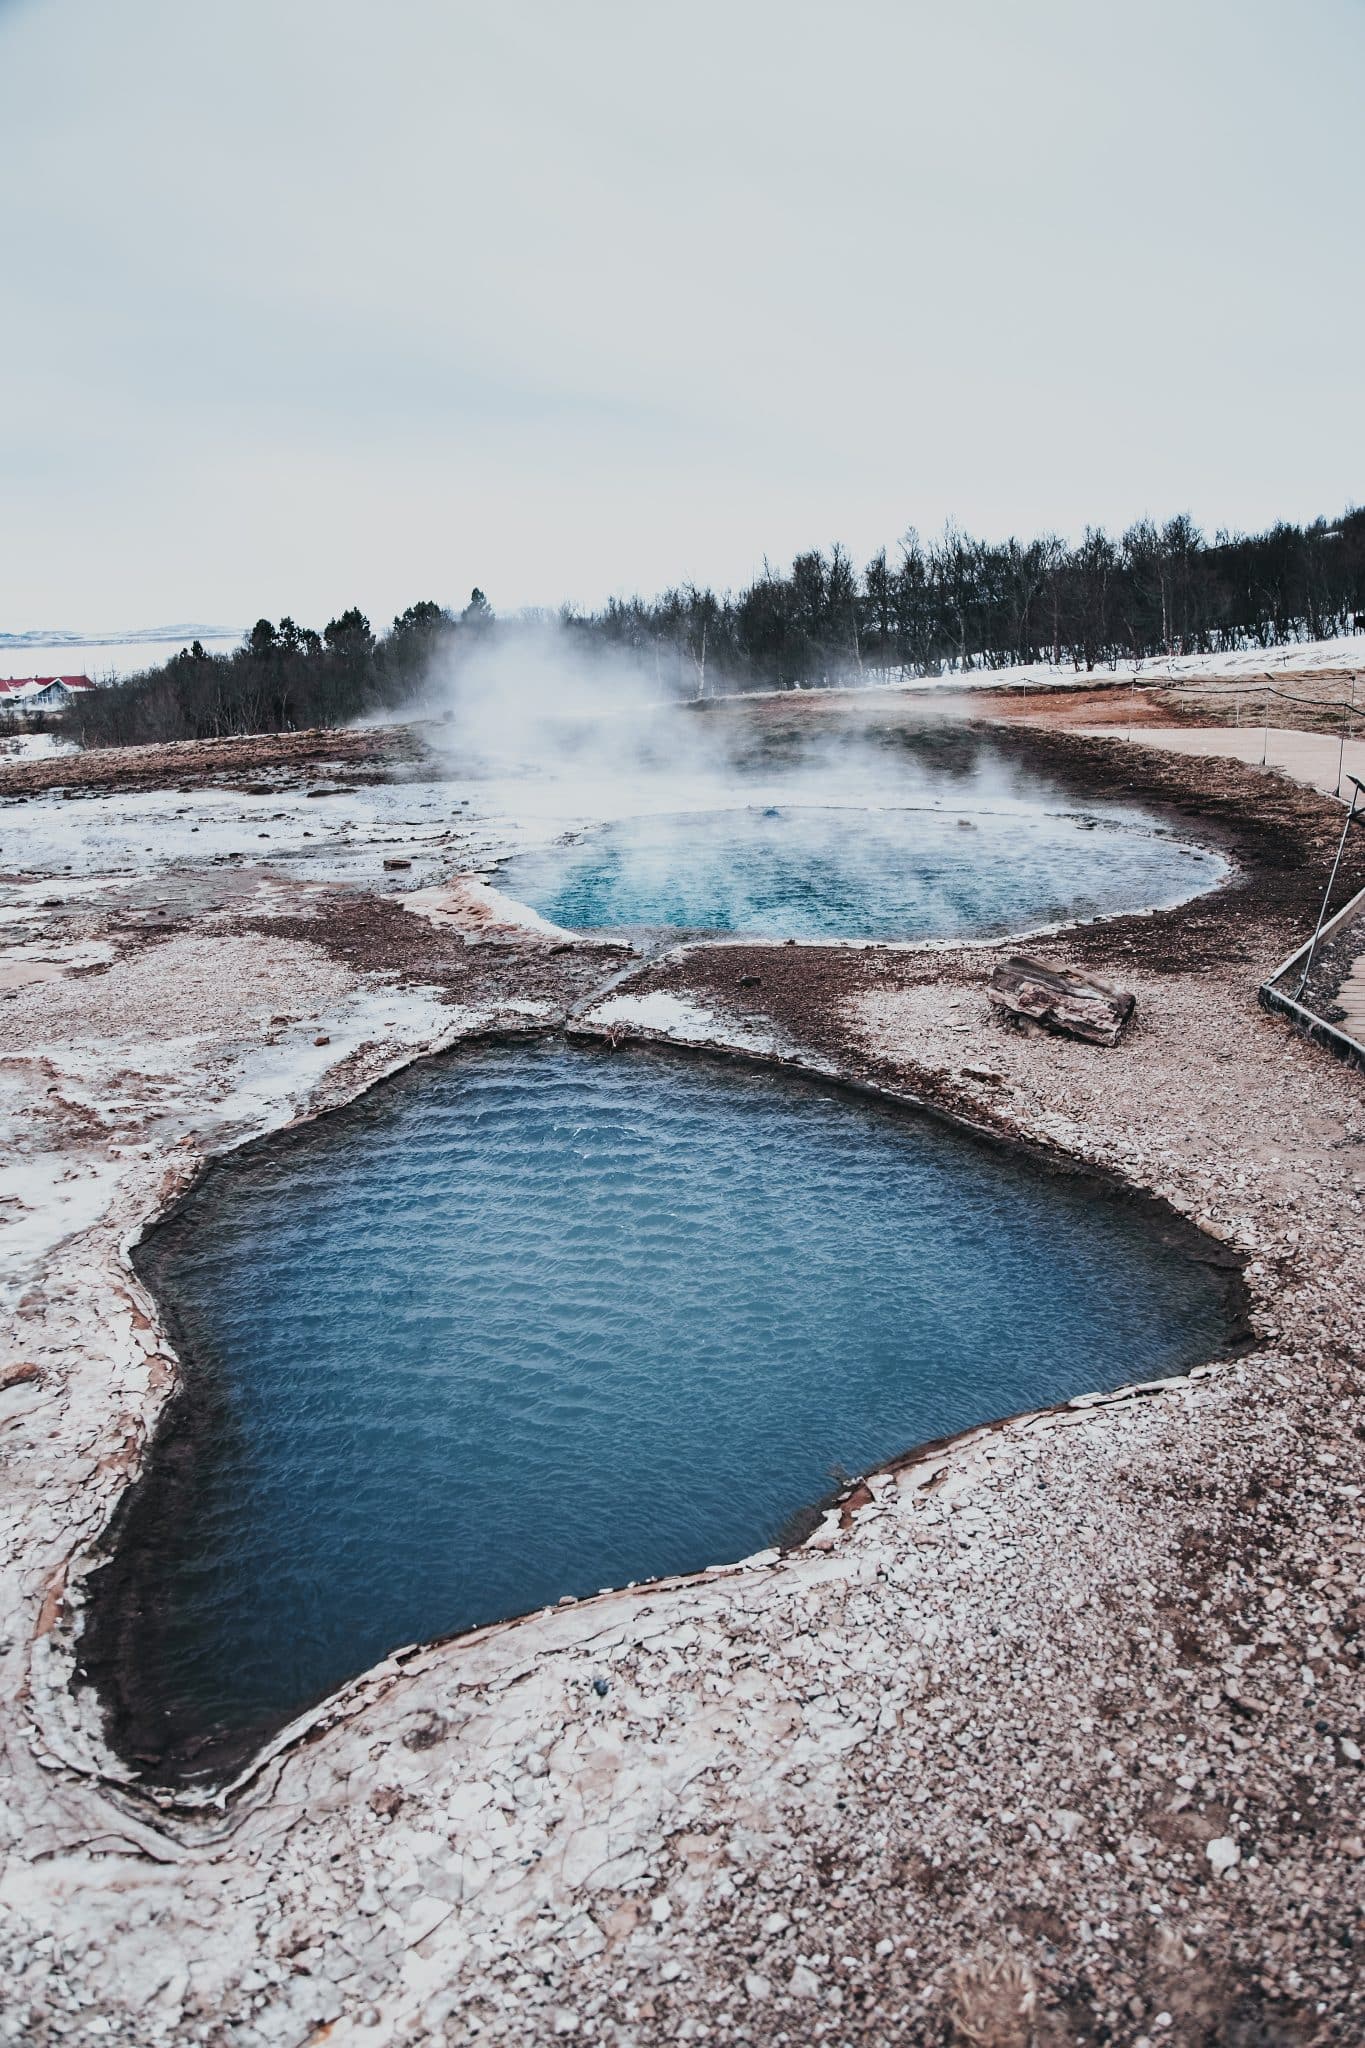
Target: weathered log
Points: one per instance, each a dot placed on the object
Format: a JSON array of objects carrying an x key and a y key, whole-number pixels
[{"x": 1060, "y": 1000}]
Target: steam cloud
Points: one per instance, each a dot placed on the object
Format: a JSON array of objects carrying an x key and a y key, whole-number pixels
[{"x": 561, "y": 736}]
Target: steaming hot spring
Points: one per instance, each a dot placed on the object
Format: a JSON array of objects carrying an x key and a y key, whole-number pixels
[
  {"x": 940, "y": 834},
  {"x": 797, "y": 871}
]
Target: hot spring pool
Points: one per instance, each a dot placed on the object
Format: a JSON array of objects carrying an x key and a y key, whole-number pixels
[
  {"x": 539, "y": 1320},
  {"x": 823, "y": 872}
]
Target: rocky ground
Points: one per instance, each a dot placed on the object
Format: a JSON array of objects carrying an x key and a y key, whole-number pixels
[
  {"x": 1050, "y": 1735},
  {"x": 193, "y": 764}
]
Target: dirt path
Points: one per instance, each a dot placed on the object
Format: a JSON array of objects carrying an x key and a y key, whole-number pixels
[{"x": 1321, "y": 760}]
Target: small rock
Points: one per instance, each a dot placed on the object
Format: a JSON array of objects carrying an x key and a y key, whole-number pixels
[
  {"x": 601, "y": 1687},
  {"x": 776, "y": 1923},
  {"x": 803, "y": 1982},
  {"x": 1067, "y": 1823},
  {"x": 660, "y": 1910},
  {"x": 756, "y": 1986},
  {"x": 1223, "y": 1853},
  {"x": 396, "y": 861},
  {"x": 322, "y": 1039}
]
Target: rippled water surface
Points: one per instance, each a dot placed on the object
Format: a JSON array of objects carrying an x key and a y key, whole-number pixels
[
  {"x": 818, "y": 872},
  {"x": 539, "y": 1320}
]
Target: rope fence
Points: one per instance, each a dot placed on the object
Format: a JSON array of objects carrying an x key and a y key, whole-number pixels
[
  {"x": 1261, "y": 686},
  {"x": 1254, "y": 687}
]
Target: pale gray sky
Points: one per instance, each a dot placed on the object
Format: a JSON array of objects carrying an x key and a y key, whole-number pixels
[{"x": 318, "y": 302}]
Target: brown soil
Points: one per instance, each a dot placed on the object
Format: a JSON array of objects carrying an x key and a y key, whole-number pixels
[
  {"x": 1318, "y": 702},
  {"x": 1114, "y": 705},
  {"x": 376, "y": 934},
  {"x": 190, "y": 764}
]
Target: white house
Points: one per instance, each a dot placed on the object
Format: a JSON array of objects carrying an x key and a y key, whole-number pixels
[{"x": 20, "y": 696}]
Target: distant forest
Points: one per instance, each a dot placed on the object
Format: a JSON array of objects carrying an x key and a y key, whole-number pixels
[{"x": 951, "y": 604}]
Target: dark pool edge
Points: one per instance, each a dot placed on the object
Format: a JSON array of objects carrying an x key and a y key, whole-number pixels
[
  {"x": 217, "y": 1770},
  {"x": 107, "y": 1608}
]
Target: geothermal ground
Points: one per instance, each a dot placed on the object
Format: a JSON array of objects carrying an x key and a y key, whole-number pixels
[{"x": 1049, "y": 1734}]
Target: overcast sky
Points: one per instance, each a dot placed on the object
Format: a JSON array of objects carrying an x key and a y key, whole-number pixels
[{"x": 319, "y": 302}]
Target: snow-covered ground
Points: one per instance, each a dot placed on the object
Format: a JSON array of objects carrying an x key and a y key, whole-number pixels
[
  {"x": 661, "y": 1014},
  {"x": 1299, "y": 657},
  {"x": 33, "y": 746},
  {"x": 345, "y": 836}
]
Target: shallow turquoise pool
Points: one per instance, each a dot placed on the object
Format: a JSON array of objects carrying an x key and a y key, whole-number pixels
[
  {"x": 537, "y": 1320},
  {"x": 804, "y": 871}
]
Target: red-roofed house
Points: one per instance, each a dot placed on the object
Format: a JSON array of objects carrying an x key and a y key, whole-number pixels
[{"x": 20, "y": 695}]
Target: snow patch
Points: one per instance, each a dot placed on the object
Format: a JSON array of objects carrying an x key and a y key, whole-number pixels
[
  {"x": 677, "y": 1017},
  {"x": 470, "y": 904}
]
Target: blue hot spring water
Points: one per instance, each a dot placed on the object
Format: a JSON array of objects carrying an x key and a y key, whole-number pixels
[
  {"x": 538, "y": 1320},
  {"x": 804, "y": 872}
]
